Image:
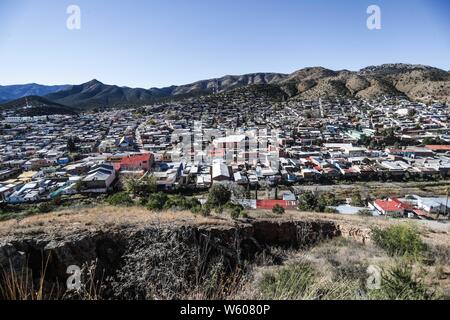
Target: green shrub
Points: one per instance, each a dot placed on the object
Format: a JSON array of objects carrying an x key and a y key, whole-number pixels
[
  {"x": 204, "y": 210},
  {"x": 196, "y": 209},
  {"x": 120, "y": 199},
  {"x": 233, "y": 209},
  {"x": 231, "y": 205},
  {"x": 307, "y": 201},
  {"x": 330, "y": 210},
  {"x": 157, "y": 201},
  {"x": 44, "y": 207},
  {"x": 181, "y": 203},
  {"x": 399, "y": 240},
  {"x": 328, "y": 199},
  {"x": 175, "y": 203},
  {"x": 218, "y": 195},
  {"x": 143, "y": 201},
  {"x": 235, "y": 213},
  {"x": 142, "y": 187},
  {"x": 365, "y": 213},
  {"x": 277, "y": 209},
  {"x": 357, "y": 200},
  {"x": 288, "y": 283},
  {"x": 399, "y": 283},
  {"x": 192, "y": 202}
]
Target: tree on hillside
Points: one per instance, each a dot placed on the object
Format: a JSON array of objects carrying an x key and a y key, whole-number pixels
[
  {"x": 157, "y": 201},
  {"x": 307, "y": 201},
  {"x": 71, "y": 145},
  {"x": 357, "y": 200},
  {"x": 218, "y": 195},
  {"x": 140, "y": 187},
  {"x": 277, "y": 209}
]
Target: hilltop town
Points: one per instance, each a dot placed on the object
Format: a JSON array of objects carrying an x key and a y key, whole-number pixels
[
  {"x": 233, "y": 159},
  {"x": 267, "y": 150}
]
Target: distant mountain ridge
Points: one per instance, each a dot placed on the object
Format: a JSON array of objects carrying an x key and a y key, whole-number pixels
[
  {"x": 37, "y": 106},
  {"x": 416, "y": 82},
  {"x": 95, "y": 93},
  {"x": 13, "y": 92}
]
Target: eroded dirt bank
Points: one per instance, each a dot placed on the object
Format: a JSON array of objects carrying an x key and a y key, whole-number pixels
[{"x": 151, "y": 259}]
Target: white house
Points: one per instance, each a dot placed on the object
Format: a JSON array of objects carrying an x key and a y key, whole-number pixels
[{"x": 220, "y": 171}]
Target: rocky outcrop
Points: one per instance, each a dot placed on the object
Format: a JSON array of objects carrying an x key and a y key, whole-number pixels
[
  {"x": 158, "y": 261},
  {"x": 358, "y": 234}
]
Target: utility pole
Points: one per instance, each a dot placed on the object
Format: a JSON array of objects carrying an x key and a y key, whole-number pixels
[{"x": 446, "y": 203}]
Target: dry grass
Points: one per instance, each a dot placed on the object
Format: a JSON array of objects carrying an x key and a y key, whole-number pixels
[
  {"x": 67, "y": 221},
  {"x": 334, "y": 270},
  {"x": 21, "y": 286},
  {"x": 16, "y": 286}
]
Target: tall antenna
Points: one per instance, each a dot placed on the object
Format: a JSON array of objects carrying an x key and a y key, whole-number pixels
[{"x": 27, "y": 106}]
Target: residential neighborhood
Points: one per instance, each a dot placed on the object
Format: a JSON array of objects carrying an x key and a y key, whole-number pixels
[
  {"x": 236, "y": 158},
  {"x": 196, "y": 143}
]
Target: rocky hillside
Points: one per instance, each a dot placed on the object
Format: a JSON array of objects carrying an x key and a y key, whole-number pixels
[
  {"x": 416, "y": 82},
  {"x": 153, "y": 259},
  {"x": 131, "y": 253},
  {"x": 229, "y": 83},
  {"x": 419, "y": 82},
  {"x": 95, "y": 93}
]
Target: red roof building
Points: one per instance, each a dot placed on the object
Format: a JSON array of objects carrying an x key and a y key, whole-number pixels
[
  {"x": 391, "y": 207},
  {"x": 133, "y": 162},
  {"x": 269, "y": 204},
  {"x": 438, "y": 148}
]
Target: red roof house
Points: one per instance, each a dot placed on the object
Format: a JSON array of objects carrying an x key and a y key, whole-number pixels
[
  {"x": 142, "y": 161},
  {"x": 391, "y": 207}
]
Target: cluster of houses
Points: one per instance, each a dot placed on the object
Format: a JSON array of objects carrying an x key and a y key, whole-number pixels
[
  {"x": 412, "y": 206},
  {"x": 247, "y": 141},
  {"x": 92, "y": 175},
  {"x": 45, "y": 156}
]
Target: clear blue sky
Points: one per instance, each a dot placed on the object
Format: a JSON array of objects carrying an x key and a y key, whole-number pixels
[{"x": 154, "y": 43}]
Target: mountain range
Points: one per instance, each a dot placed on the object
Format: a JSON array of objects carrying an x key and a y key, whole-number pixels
[
  {"x": 35, "y": 105},
  {"x": 8, "y": 93},
  {"x": 416, "y": 82}
]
